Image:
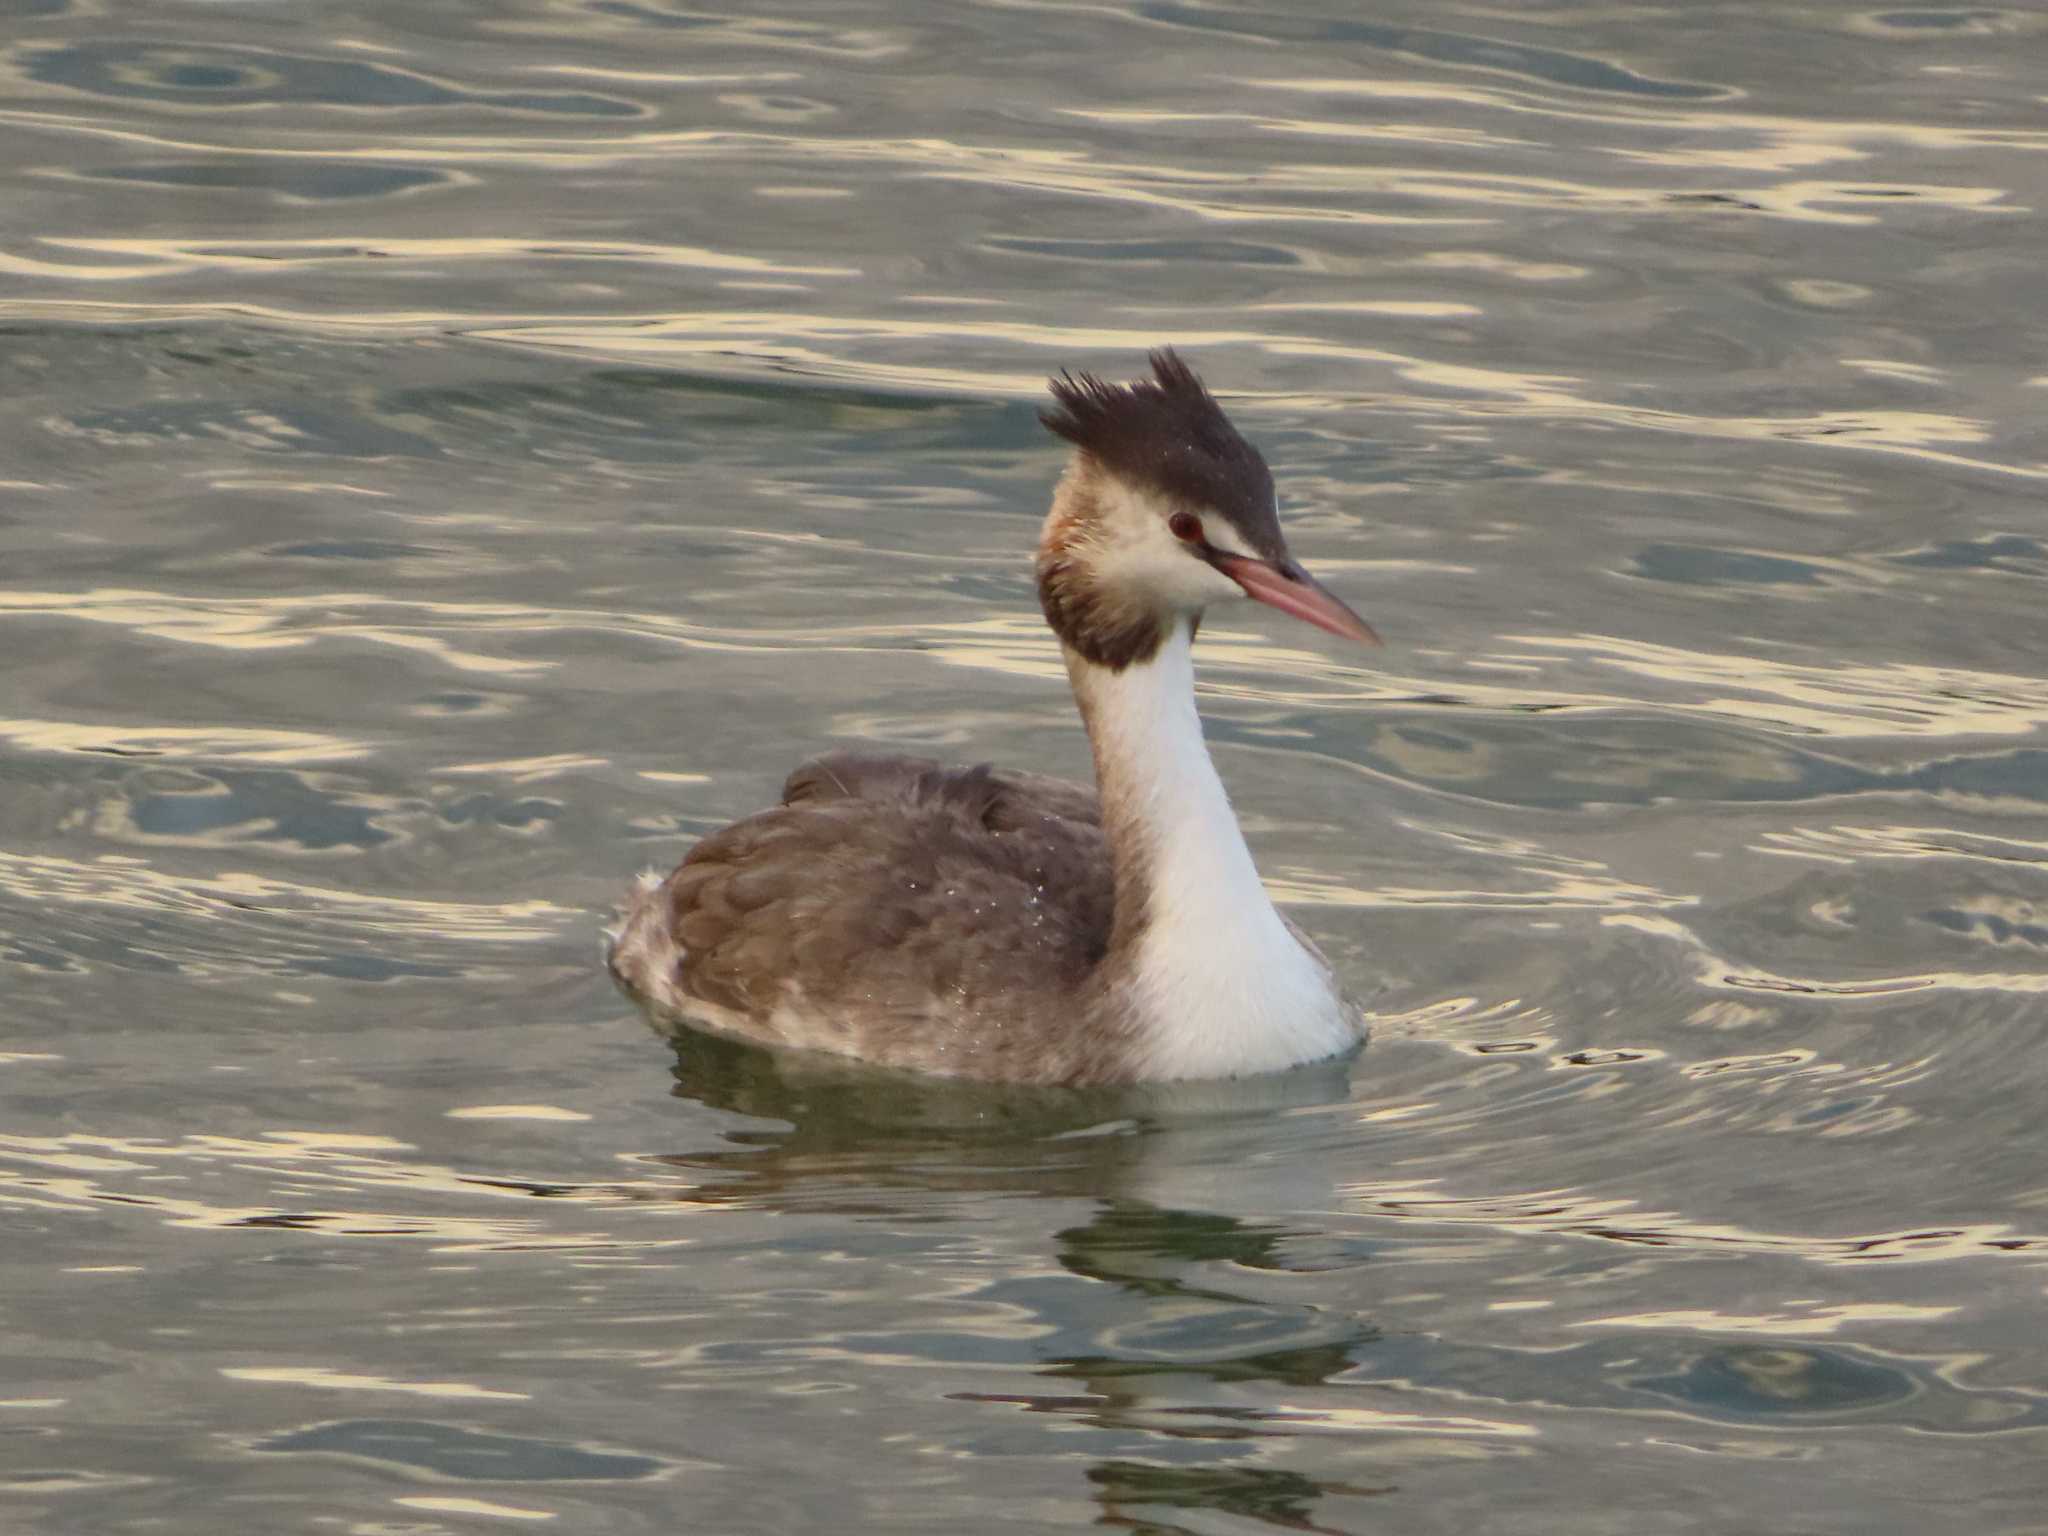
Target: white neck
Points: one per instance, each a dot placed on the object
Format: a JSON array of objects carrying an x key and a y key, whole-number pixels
[{"x": 1217, "y": 982}]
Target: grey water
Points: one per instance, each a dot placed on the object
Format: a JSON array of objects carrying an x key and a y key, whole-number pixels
[{"x": 452, "y": 456}]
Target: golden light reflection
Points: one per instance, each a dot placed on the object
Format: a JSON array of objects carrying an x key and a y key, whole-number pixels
[
  {"x": 452, "y": 1504},
  {"x": 1838, "y": 699},
  {"x": 1893, "y": 368},
  {"x": 1818, "y": 202},
  {"x": 127, "y": 883},
  {"x": 1816, "y": 1321},
  {"x": 276, "y": 623},
  {"x": 295, "y": 487},
  {"x": 721, "y": 339},
  {"x": 1392, "y": 309},
  {"x": 735, "y": 28},
  {"x": 1505, "y": 1027},
  {"x": 319, "y": 1183},
  {"x": 342, "y": 1381},
  {"x": 1502, "y": 265},
  {"x": 1854, "y": 845},
  {"x": 1623, "y": 1220},
  {"x": 671, "y": 77},
  {"x": 1580, "y": 891},
  {"x": 220, "y": 743},
  {"x": 169, "y": 256},
  {"x": 703, "y": 336},
  {"x": 1388, "y": 1421},
  {"x": 1841, "y": 700},
  {"x": 1717, "y": 972},
  {"x": 1752, "y": 145},
  {"x": 1452, "y": 136},
  {"x": 530, "y": 770},
  {"x": 1704, "y": 124}
]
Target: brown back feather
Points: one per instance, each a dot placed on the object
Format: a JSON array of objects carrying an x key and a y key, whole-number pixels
[{"x": 908, "y": 912}]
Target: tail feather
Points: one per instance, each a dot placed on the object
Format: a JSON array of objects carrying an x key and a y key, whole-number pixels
[{"x": 640, "y": 947}]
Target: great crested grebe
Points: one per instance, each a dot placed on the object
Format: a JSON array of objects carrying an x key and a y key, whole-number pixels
[{"x": 978, "y": 922}]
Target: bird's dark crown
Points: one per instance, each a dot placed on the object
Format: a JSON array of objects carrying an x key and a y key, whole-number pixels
[{"x": 1168, "y": 435}]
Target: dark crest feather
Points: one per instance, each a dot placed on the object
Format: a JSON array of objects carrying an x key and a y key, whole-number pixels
[{"x": 1168, "y": 433}]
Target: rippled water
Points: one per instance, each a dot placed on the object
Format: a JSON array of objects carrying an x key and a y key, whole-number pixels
[{"x": 451, "y": 457}]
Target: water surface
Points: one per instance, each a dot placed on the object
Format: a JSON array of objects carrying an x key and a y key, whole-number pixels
[{"x": 449, "y": 459}]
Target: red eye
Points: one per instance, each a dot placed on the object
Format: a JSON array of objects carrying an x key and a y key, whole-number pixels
[{"x": 1186, "y": 527}]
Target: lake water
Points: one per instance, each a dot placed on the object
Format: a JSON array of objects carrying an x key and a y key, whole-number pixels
[{"x": 452, "y": 456}]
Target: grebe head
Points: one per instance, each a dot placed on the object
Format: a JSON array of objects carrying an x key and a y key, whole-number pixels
[{"x": 1164, "y": 510}]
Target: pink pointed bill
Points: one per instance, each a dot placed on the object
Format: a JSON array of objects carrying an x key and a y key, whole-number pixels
[{"x": 1296, "y": 592}]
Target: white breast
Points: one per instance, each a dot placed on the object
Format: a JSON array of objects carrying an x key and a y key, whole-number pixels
[{"x": 1221, "y": 985}]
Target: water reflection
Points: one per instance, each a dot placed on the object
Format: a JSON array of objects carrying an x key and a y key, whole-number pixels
[
  {"x": 217, "y": 78},
  {"x": 315, "y": 180},
  {"x": 425, "y": 1448},
  {"x": 455, "y": 459},
  {"x": 1204, "y": 1351},
  {"x": 1576, "y": 72}
]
